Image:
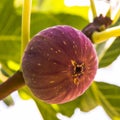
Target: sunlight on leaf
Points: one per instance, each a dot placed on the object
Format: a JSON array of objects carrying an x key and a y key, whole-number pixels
[
  {"x": 12, "y": 65},
  {"x": 23, "y": 94},
  {"x": 53, "y": 6}
]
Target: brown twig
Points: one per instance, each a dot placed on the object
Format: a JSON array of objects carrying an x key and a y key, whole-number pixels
[{"x": 13, "y": 83}]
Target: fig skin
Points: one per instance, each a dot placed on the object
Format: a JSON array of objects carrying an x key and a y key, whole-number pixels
[{"x": 59, "y": 64}]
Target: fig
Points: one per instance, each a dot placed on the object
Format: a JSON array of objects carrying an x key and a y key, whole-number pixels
[{"x": 59, "y": 64}]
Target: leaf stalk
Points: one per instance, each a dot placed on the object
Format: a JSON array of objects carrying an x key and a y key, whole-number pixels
[
  {"x": 26, "y": 14},
  {"x": 98, "y": 37},
  {"x": 94, "y": 12}
]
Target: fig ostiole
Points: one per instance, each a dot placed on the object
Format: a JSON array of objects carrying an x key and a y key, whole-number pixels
[{"x": 59, "y": 64}]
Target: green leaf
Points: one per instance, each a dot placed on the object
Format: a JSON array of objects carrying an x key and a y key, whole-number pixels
[
  {"x": 47, "y": 111},
  {"x": 110, "y": 54},
  {"x": 5, "y": 70},
  {"x": 108, "y": 96},
  {"x": 73, "y": 20},
  {"x": 9, "y": 32},
  {"x": 8, "y": 49},
  {"x": 86, "y": 102},
  {"x": 40, "y": 21},
  {"x": 99, "y": 93}
]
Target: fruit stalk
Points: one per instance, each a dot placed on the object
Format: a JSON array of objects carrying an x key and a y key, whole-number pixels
[{"x": 13, "y": 83}]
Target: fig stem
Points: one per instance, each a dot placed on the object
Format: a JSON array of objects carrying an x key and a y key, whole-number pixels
[
  {"x": 26, "y": 14},
  {"x": 98, "y": 37},
  {"x": 94, "y": 12},
  {"x": 13, "y": 83}
]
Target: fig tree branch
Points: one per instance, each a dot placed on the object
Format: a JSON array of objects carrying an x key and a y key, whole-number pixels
[{"x": 13, "y": 83}]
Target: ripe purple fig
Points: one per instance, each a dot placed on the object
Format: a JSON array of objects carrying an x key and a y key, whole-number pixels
[{"x": 59, "y": 64}]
